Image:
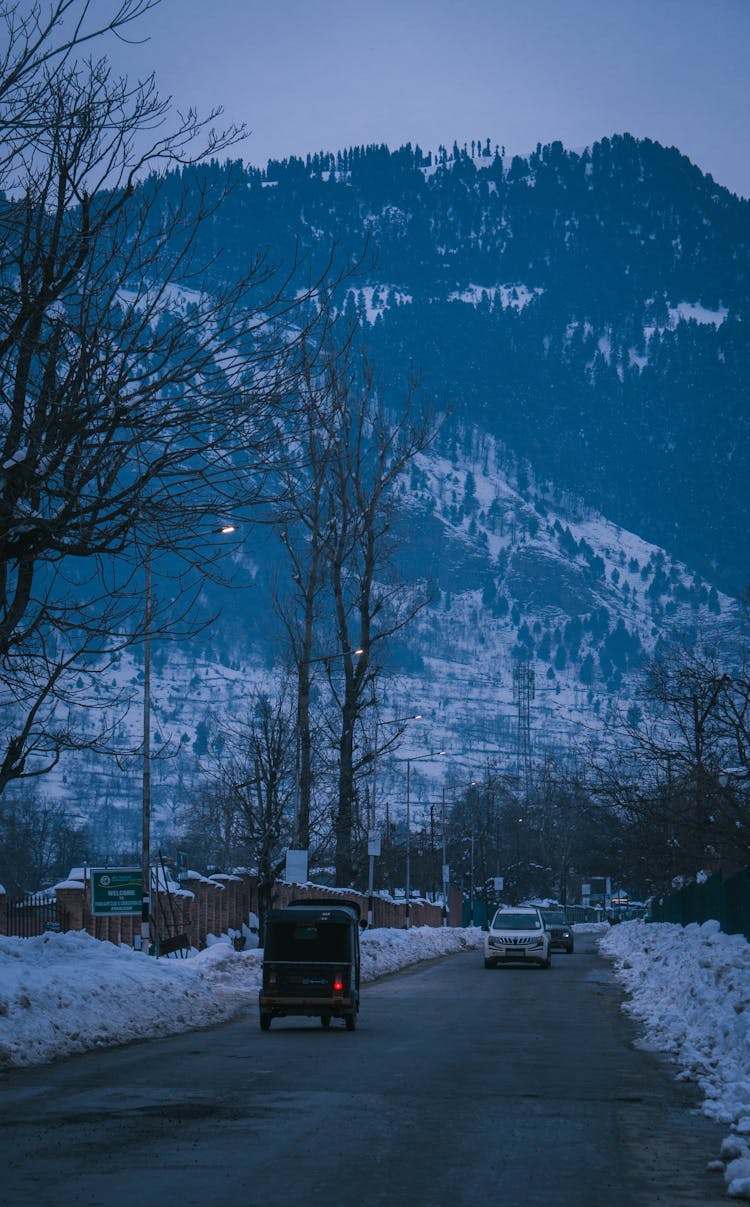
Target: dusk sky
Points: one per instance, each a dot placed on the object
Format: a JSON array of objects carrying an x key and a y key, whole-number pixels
[{"x": 311, "y": 75}]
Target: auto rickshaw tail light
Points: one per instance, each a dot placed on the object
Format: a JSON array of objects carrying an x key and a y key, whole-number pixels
[{"x": 338, "y": 983}]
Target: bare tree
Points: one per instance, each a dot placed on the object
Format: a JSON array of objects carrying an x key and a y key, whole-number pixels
[
  {"x": 339, "y": 470},
  {"x": 371, "y": 602},
  {"x": 209, "y": 828},
  {"x": 135, "y": 407},
  {"x": 245, "y": 810},
  {"x": 677, "y": 773},
  {"x": 303, "y": 519},
  {"x": 38, "y": 843},
  {"x": 38, "y": 41},
  {"x": 734, "y": 721}
]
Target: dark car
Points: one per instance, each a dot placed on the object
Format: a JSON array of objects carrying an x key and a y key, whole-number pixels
[
  {"x": 311, "y": 963},
  {"x": 559, "y": 929}
]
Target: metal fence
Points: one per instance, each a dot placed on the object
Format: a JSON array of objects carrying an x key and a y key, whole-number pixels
[
  {"x": 724, "y": 898},
  {"x": 584, "y": 913},
  {"x": 26, "y": 917},
  {"x": 483, "y": 911}
]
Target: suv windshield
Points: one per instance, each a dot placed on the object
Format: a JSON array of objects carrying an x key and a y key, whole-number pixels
[
  {"x": 509, "y": 921},
  {"x": 554, "y": 919}
]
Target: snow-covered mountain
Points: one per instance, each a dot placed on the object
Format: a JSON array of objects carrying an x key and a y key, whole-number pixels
[
  {"x": 584, "y": 316},
  {"x": 589, "y": 308},
  {"x": 519, "y": 575}
]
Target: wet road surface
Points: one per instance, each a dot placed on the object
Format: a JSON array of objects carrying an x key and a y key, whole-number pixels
[{"x": 461, "y": 1085}]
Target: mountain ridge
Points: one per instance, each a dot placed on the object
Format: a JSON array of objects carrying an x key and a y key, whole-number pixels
[{"x": 618, "y": 367}]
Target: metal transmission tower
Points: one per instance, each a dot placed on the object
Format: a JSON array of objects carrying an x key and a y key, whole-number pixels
[{"x": 524, "y": 690}]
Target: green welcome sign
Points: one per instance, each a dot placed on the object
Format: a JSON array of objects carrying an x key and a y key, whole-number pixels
[{"x": 116, "y": 891}]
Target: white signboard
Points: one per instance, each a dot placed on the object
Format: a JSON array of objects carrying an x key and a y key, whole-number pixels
[
  {"x": 296, "y": 867},
  {"x": 373, "y": 842}
]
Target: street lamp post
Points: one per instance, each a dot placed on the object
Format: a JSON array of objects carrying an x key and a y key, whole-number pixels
[
  {"x": 407, "y": 913},
  {"x": 373, "y": 839},
  {"x": 146, "y": 785},
  {"x": 145, "y": 936},
  {"x": 446, "y": 869},
  {"x": 417, "y": 759},
  {"x": 445, "y": 865}
]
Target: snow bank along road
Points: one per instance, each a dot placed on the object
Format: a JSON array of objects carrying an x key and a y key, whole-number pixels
[{"x": 460, "y": 1086}]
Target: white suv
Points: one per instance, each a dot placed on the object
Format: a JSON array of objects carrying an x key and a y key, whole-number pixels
[{"x": 517, "y": 933}]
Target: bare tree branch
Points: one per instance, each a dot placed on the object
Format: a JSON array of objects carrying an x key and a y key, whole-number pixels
[{"x": 136, "y": 409}]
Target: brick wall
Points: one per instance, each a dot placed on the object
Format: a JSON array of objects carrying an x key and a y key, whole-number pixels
[{"x": 215, "y": 905}]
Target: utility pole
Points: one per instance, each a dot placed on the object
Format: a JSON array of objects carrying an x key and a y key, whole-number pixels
[
  {"x": 407, "y": 921},
  {"x": 432, "y": 852},
  {"x": 416, "y": 759},
  {"x": 373, "y": 836},
  {"x": 146, "y": 789},
  {"x": 445, "y": 864}
]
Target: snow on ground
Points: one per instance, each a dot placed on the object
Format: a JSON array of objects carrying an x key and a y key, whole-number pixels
[
  {"x": 62, "y": 994},
  {"x": 690, "y": 989}
]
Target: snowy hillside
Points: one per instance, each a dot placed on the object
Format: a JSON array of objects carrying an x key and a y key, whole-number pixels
[
  {"x": 518, "y": 574},
  {"x": 524, "y": 576}
]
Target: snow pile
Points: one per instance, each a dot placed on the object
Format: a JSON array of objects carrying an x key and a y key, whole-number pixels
[
  {"x": 690, "y": 987},
  {"x": 62, "y": 994},
  {"x": 65, "y": 993},
  {"x": 388, "y": 950}
]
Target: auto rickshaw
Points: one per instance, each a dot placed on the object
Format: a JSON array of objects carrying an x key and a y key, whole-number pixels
[{"x": 311, "y": 962}]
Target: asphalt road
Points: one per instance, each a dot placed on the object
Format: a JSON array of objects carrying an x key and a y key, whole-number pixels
[{"x": 460, "y": 1086}]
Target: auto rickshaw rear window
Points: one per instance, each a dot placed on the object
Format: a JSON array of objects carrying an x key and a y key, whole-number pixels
[{"x": 324, "y": 942}]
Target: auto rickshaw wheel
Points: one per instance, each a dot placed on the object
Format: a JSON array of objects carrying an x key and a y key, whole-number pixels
[
  {"x": 265, "y": 1020},
  {"x": 351, "y": 1021},
  {"x": 325, "y": 1020}
]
